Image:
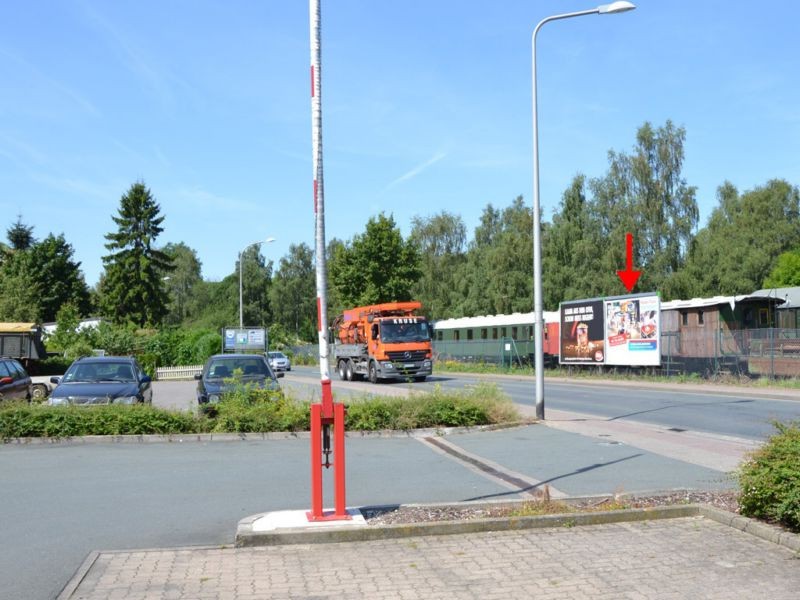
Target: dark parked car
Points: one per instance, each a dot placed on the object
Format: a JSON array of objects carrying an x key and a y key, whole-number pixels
[
  {"x": 97, "y": 380},
  {"x": 14, "y": 381},
  {"x": 254, "y": 368}
]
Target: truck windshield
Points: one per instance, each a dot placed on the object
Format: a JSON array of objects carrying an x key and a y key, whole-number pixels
[{"x": 405, "y": 330}]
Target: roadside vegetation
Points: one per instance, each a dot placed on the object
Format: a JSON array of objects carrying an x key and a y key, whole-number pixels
[
  {"x": 250, "y": 410},
  {"x": 770, "y": 480}
]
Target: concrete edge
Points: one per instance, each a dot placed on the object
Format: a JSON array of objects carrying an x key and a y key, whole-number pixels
[
  {"x": 180, "y": 438},
  {"x": 765, "y": 531},
  {"x": 77, "y": 578},
  {"x": 246, "y": 537}
]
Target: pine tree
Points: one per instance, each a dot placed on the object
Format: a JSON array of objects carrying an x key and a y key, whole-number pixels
[
  {"x": 20, "y": 235},
  {"x": 132, "y": 289}
]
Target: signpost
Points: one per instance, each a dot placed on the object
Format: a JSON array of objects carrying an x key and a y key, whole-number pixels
[{"x": 247, "y": 339}]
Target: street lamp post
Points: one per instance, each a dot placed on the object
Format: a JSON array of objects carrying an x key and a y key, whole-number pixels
[
  {"x": 241, "y": 253},
  {"x": 614, "y": 7}
]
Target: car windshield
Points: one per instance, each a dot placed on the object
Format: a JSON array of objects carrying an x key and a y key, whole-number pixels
[
  {"x": 276, "y": 355},
  {"x": 221, "y": 368},
  {"x": 96, "y": 372},
  {"x": 411, "y": 329}
]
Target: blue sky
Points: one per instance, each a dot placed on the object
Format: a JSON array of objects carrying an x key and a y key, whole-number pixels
[{"x": 426, "y": 107}]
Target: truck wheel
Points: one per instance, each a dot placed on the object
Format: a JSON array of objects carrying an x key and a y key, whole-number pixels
[
  {"x": 349, "y": 370},
  {"x": 342, "y": 371},
  {"x": 373, "y": 372},
  {"x": 39, "y": 393}
]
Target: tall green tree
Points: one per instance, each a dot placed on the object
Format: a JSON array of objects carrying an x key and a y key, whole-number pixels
[
  {"x": 376, "y": 266},
  {"x": 133, "y": 287},
  {"x": 644, "y": 193},
  {"x": 256, "y": 283},
  {"x": 293, "y": 293},
  {"x": 570, "y": 249},
  {"x": 441, "y": 241},
  {"x": 181, "y": 283},
  {"x": 58, "y": 277},
  {"x": 19, "y": 290},
  {"x": 745, "y": 235},
  {"x": 498, "y": 276}
]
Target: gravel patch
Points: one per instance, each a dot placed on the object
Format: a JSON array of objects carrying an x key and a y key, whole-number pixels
[{"x": 383, "y": 515}]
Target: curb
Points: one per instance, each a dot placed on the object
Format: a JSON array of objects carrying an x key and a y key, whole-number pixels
[
  {"x": 180, "y": 438},
  {"x": 246, "y": 537},
  {"x": 72, "y": 585}
]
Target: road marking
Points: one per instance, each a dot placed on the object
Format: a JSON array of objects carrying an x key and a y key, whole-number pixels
[{"x": 490, "y": 470}]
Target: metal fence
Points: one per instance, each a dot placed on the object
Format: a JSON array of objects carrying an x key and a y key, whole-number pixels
[{"x": 769, "y": 352}]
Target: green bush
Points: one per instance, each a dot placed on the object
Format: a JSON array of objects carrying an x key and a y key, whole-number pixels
[
  {"x": 253, "y": 410},
  {"x": 769, "y": 481},
  {"x": 250, "y": 410},
  {"x": 23, "y": 420}
]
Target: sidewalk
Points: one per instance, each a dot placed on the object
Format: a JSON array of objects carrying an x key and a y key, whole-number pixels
[{"x": 673, "y": 558}]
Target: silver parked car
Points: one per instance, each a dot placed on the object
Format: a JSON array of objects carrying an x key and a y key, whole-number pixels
[{"x": 279, "y": 361}]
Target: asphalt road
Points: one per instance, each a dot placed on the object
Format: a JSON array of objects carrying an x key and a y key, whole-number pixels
[
  {"x": 61, "y": 501},
  {"x": 738, "y": 412}
]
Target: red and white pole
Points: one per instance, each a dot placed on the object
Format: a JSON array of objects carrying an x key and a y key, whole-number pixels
[{"x": 325, "y": 414}]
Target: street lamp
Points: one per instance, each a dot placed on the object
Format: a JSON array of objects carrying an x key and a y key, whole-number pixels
[
  {"x": 241, "y": 253},
  {"x": 614, "y": 7}
]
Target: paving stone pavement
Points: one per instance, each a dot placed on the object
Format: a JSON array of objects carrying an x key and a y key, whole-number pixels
[{"x": 667, "y": 559}]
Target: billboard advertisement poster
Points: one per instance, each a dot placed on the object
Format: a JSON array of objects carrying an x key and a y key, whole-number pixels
[
  {"x": 632, "y": 333},
  {"x": 582, "y": 333}
]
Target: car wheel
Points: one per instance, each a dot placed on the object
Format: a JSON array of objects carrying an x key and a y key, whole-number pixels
[
  {"x": 39, "y": 393},
  {"x": 373, "y": 372},
  {"x": 342, "y": 371},
  {"x": 349, "y": 373}
]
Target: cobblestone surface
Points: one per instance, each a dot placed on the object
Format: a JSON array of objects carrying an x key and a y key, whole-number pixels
[{"x": 674, "y": 558}]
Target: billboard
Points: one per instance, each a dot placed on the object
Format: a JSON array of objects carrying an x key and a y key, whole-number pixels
[
  {"x": 582, "y": 332},
  {"x": 235, "y": 339},
  {"x": 633, "y": 330}
]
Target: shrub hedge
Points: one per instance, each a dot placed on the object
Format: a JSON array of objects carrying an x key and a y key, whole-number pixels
[
  {"x": 769, "y": 481},
  {"x": 249, "y": 410}
]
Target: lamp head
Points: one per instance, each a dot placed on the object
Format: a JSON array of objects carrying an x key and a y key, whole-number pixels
[{"x": 615, "y": 7}]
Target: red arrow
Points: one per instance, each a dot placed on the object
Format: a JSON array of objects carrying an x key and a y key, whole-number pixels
[{"x": 629, "y": 277}]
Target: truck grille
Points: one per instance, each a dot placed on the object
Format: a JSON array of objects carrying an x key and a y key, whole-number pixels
[{"x": 406, "y": 355}]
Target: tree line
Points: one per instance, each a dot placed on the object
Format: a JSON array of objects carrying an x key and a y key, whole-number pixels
[{"x": 751, "y": 240}]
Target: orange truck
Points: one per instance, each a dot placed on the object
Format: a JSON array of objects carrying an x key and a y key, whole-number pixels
[{"x": 383, "y": 341}]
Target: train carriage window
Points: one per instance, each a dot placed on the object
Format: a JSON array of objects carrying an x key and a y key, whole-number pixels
[
  {"x": 514, "y": 332},
  {"x": 502, "y": 332},
  {"x": 494, "y": 333},
  {"x": 456, "y": 335},
  {"x": 763, "y": 316},
  {"x": 439, "y": 336},
  {"x": 469, "y": 334},
  {"x": 530, "y": 332},
  {"x": 684, "y": 317},
  {"x": 546, "y": 336},
  {"x": 484, "y": 333},
  {"x": 700, "y": 318}
]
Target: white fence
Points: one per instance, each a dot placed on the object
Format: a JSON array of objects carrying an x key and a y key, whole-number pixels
[{"x": 184, "y": 372}]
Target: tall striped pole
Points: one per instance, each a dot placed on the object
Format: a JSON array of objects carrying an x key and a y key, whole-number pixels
[
  {"x": 319, "y": 192},
  {"x": 325, "y": 415}
]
